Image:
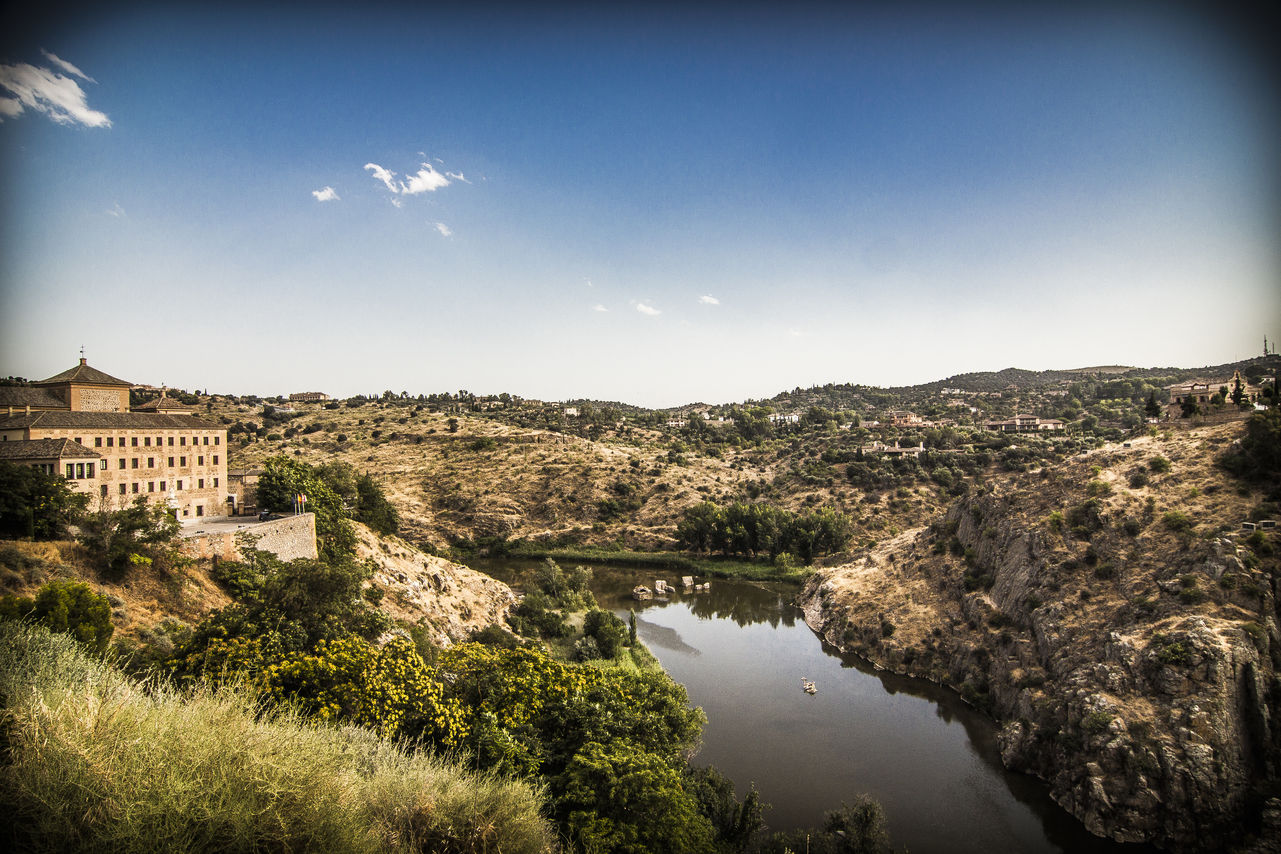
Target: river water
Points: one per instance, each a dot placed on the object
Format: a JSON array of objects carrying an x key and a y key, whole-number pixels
[{"x": 741, "y": 649}]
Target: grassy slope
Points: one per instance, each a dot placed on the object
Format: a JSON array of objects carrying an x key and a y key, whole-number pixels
[{"x": 96, "y": 762}]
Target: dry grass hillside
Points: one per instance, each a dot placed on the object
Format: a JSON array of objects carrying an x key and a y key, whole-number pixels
[
  {"x": 1112, "y": 612},
  {"x": 492, "y": 480}
]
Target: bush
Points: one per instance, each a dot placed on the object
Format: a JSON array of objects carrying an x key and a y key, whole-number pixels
[
  {"x": 1138, "y": 479},
  {"x": 1177, "y": 521},
  {"x": 609, "y": 632},
  {"x": 69, "y": 607},
  {"x": 1160, "y": 465}
]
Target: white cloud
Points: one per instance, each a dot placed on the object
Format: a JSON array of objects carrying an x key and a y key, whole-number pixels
[
  {"x": 599, "y": 307},
  {"x": 66, "y": 66},
  {"x": 116, "y": 211},
  {"x": 47, "y": 92},
  {"x": 386, "y": 176},
  {"x": 457, "y": 176},
  {"x": 428, "y": 180},
  {"x": 328, "y": 194},
  {"x": 708, "y": 299},
  {"x": 648, "y": 310},
  {"x": 445, "y": 231},
  {"x": 397, "y": 203}
]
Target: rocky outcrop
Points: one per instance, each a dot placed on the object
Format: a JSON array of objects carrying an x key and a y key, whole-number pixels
[
  {"x": 1120, "y": 665},
  {"x": 448, "y": 599}
]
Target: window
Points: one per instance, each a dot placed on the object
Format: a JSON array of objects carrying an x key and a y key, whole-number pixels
[
  {"x": 179, "y": 486},
  {"x": 171, "y": 442},
  {"x": 78, "y": 440},
  {"x": 147, "y": 441},
  {"x": 135, "y": 463},
  {"x": 200, "y": 484},
  {"x": 162, "y": 486},
  {"x": 215, "y": 459},
  {"x": 200, "y": 461},
  {"x": 111, "y": 441},
  {"x": 182, "y": 440},
  {"x": 104, "y": 465},
  {"x": 200, "y": 509},
  {"x": 206, "y": 440},
  {"x": 135, "y": 487},
  {"x": 151, "y": 462},
  {"x": 151, "y": 486},
  {"x": 160, "y": 440},
  {"x": 182, "y": 461},
  {"x": 103, "y": 493},
  {"x": 97, "y": 441},
  {"x": 134, "y": 442},
  {"x": 80, "y": 471},
  {"x": 89, "y": 470},
  {"x": 215, "y": 483},
  {"x": 122, "y": 489},
  {"x": 71, "y": 471},
  {"x": 122, "y": 462},
  {"x": 217, "y": 439}
]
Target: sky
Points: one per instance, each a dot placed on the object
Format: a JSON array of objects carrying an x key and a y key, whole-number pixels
[{"x": 654, "y": 204}]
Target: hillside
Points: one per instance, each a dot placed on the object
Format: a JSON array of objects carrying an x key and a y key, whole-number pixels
[{"x": 1113, "y": 615}]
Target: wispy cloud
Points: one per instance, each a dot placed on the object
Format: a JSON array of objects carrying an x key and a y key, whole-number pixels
[
  {"x": 116, "y": 211},
  {"x": 599, "y": 307},
  {"x": 445, "y": 231},
  {"x": 647, "y": 310},
  {"x": 47, "y": 91},
  {"x": 66, "y": 66},
  {"x": 327, "y": 194},
  {"x": 708, "y": 299},
  {"x": 426, "y": 180}
]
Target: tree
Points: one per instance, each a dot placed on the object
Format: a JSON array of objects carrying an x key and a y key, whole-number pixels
[
  {"x": 284, "y": 478},
  {"x": 1237, "y": 391},
  {"x": 35, "y": 504},
  {"x": 373, "y": 508},
  {"x": 140, "y": 534},
  {"x": 607, "y": 630},
  {"x": 1152, "y": 409}
]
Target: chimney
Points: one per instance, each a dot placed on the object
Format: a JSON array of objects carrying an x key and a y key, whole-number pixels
[{"x": 83, "y": 361}]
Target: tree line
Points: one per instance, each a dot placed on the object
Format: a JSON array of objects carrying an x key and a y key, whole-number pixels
[{"x": 749, "y": 530}]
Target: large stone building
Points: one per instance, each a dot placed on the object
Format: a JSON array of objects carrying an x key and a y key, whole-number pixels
[{"x": 79, "y": 425}]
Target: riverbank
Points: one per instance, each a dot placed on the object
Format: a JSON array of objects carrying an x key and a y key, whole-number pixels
[{"x": 672, "y": 561}]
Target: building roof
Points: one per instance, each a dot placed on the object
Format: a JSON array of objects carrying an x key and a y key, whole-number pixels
[
  {"x": 105, "y": 420},
  {"x": 84, "y": 374},
  {"x": 44, "y": 449},
  {"x": 25, "y": 395}
]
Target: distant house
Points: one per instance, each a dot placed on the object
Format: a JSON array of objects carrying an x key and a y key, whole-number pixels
[
  {"x": 571, "y": 411},
  {"x": 308, "y": 397},
  {"x": 902, "y": 418},
  {"x": 677, "y": 422},
  {"x": 896, "y": 451},
  {"x": 1201, "y": 391},
  {"x": 1026, "y": 424},
  {"x": 776, "y": 418}
]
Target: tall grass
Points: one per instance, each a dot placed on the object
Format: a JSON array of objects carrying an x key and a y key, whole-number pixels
[{"x": 93, "y": 761}]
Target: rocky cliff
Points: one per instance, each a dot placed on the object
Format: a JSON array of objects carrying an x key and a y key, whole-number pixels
[{"x": 1115, "y": 619}]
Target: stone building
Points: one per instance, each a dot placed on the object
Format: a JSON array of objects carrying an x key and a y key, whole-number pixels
[{"x": 79, "y": 423}]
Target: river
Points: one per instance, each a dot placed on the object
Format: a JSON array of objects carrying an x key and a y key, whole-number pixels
[{"x": 741, "y": 649}]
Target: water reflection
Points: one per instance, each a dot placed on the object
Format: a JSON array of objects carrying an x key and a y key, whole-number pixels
[{"x": 741, "y": 651}]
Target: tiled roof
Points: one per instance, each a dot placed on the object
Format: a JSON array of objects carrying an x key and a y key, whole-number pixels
[
  {"x": 107, "y": 420},
  {"x": 44, "y": 449},
  {"x": 25, "y": 395},
  {"x": 82, "y": 373},
  {"x": 165, "y": 403}
]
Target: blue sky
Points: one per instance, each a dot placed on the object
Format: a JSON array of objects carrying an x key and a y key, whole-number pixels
[{"x": 649, "y": 204}]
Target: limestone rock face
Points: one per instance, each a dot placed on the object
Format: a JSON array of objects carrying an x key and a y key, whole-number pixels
[
  {"x": 1121, "y": 667},
  {"x": 448, "y": 598}
]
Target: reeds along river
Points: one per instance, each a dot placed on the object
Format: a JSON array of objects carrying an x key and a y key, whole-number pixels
[{"x": 742, "y": 650}]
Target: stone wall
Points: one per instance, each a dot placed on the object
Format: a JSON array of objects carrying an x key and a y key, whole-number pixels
[{"x": 289, "y": 538}]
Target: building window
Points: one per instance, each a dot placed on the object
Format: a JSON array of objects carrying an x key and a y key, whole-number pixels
[
  {"x": 147, "y": 441},
  {"x": 151, "y": 486},
  {"x": 182, "y": 440},
  {"x": 135, "y": 487},
  {"x": 80, "y": 471},
  {"x": 104, "y": 465},
  {"x": 89, "y": 470},
  {"x": 162, "y": 486},
  {"x": 122, "y": 462},
  {"x": 78, "y": 440},
  {"x": 135, "y": 462},
  {"x": 200, "y": 484},
  {"x": 97, "y": 441},
  {"x": 151, "y": 462},
  {"x": 200, "y": 461},
  {"x": 103, "y": 493},
  {"x": 206, "y": 440},
  {"x": 215, "y": 459},
  {"x": 182, "y": 461},
  {"x": 160, "y": 440},
  {"x": 200, "y": 509},
  {"x": 111, "y": 441},
  {"x": 122, "y": 489},
  {"x": 71, "y": 471},
  {"x": 180, "y": 486},
  {"x": 171, "y": 462},
  {"x": 216, "y": 439},
  {"x": 171, "y": 441},
  {"x": 215, "y": 483},
  {"x": 135, "y": 441}
]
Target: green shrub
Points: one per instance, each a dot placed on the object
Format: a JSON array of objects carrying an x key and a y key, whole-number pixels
[
  {"x": 1177, "y": 521},
  {"x": 1160, "y": 465},
  {"x": 69, "y": 607},
  {"x": 1098, "y": 488},
  {"x": 1096, "y": 722}
]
